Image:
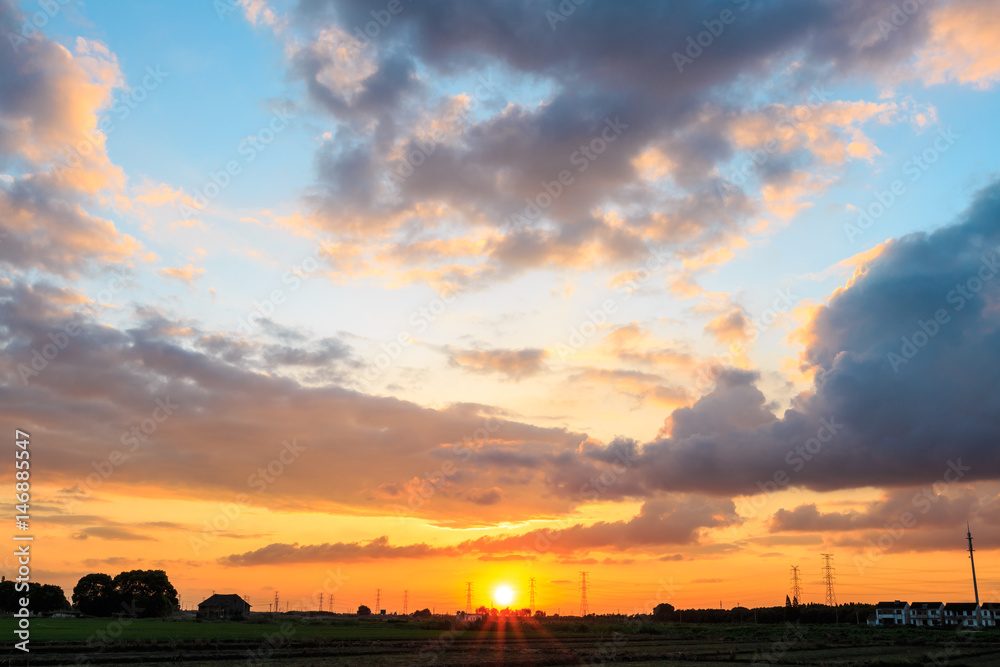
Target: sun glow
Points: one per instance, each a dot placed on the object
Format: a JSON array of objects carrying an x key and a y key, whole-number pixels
[{"x": 503, "y": 595}]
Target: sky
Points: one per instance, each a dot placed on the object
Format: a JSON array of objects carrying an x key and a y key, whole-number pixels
[{"x": 347, "y": 297}]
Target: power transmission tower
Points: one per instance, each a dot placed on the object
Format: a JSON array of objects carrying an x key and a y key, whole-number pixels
[
  {"x": 828, "y": 572},
  {"x": 531, "y": 605},
  {"x": 468, "y": 597},
  {"x": 331, "y": 603},
  {"x": 321, "y": 602},
  {"x": 275, "y": 602},
  {"x": 406, "y": 602},
  {"x": 584, "y": 607},
  {"x": 378, "y": 600},
  {"x": 796, "y": 588}
]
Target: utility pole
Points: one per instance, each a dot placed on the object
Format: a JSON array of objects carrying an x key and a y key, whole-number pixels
[
  {"x": 584, "y": 607},
  {"x": 531, "y": 605},
  {"x": 975, "y": 586},
  {"x": 828, "y": 572},
  {"x": 468, "y": 597},
  {"x": 406, "y": 602},
  {"x": 796, "y": 588}
]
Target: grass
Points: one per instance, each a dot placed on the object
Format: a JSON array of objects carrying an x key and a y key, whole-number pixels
[{"x": 81, "y": 629}]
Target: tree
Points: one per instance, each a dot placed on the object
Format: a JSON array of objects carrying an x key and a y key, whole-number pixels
[
  {"x": 42, "y": 598},
  {"x": 539, "y": 614},
  {"x": 422, "y": 613},
  {"x": 663, "y": 612},
  {"x": 364, "y": 610},
  {"x": 146, "y": 593},
  {"x": 47, "y": 598},
  {"x": 94, "y": 595},
  {"x": 481, "y": 609},
  {"x": 788, "y": 602}
]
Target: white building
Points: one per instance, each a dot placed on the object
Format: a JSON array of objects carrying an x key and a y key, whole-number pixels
[
  {"x": 892, "y": 613},
  {"x": 964, "y": 614}
]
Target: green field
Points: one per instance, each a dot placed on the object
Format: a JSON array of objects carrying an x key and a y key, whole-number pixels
[
  {"x": 81, "y": 629},
  {"x": 297, "y": 641}
]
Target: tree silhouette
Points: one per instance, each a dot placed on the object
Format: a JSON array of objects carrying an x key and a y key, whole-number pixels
[
  {"x": 663, "y": 611},
  {"x": 364, "y": 610},
  {"x": 42, "y": 598},
  {"x": 146, "y": 593},
  {"x": 94, "y": 595}
]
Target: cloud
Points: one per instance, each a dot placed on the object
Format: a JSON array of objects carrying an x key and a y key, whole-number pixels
[
  {"x": 379, "y": 548},
  {"x": 515, "y": 364},
  {"x": 871, "y": 418},
  {"x": 667, "y": 521},
  {"x": 186, "y": 274},
  {"x": 47, "y": 231},
  {"x": 490, "y": 496},
  {"x": 636, "y": 384},
  {"x": 234, "y": 400},
  {"x": 480, "y": 165},
  {"x": 927, "y": 507},
  {"x": 731, "y": 328},
  {"x": 109, "y": 533},
  {"x": 961, "y": 48},
  {"x": 50, "y": 105}
]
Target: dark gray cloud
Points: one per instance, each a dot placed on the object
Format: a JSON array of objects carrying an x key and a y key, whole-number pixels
[
  {"x": 607, "y": 63},
  {"x": 899, "y": 421}
]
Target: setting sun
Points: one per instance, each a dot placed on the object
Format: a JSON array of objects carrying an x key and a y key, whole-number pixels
[{"x": 504, "y": 595}]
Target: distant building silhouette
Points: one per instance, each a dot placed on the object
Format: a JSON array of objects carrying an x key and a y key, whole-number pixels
[{"x": 231, "y": 607}]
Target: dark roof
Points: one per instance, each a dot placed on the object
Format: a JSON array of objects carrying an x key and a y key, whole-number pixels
[
  {"x": 990, "y": 605},
  {"x": 925, "y": 605},
  {"x": 219, "y": 600},
  {"x": 961, "y": 606},
  {"x": 891, "y": 605}
]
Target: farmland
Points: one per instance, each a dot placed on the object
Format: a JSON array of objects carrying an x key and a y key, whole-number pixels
[{"x": 297, "y": 641}]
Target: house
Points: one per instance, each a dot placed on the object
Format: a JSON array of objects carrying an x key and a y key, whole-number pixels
[
  {"x": 231, "y": 607},
  {"x": 964, "y": 614},
  {"x": 892, "y": 613},
  {"x": 927, "y": 614},
  {"x": 463, "y": 617},
  {"x": 872, "y": 620},
  {"x": 990, "y": 612}
]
